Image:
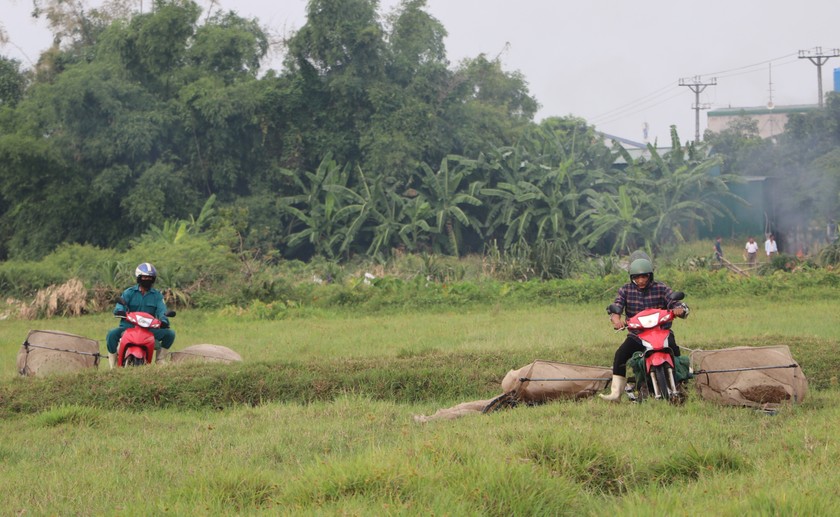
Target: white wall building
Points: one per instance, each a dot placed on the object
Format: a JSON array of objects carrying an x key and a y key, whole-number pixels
[{"x": 771, "y": 121}]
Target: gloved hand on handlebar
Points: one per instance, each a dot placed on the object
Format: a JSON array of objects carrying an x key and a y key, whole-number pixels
[{"x": 119, "y": 314}]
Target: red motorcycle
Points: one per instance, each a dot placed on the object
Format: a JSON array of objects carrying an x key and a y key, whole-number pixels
[
  {"x": 655, "y": 373},
  {"x": 137, "y": 344}
]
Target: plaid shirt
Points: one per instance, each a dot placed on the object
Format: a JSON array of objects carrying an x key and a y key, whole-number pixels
[{"x": 634, "y": 300}]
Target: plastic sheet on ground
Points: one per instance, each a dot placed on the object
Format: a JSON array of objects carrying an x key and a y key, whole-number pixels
[
  {"x": 49, "y": 352},
  {"x": 205, "y": 353},
  {"x": 763, "y": 377},
  {"x": 535, "y": 383}
]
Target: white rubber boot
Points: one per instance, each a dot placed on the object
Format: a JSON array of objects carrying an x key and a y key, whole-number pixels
[
  {"x": 112, "y": 360},
  {"x": 162, "y": 356},
  {"x": 616, "y": 389}
]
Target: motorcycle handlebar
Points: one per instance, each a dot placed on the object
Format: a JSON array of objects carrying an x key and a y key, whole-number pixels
[{"x": 122, "y": 315}]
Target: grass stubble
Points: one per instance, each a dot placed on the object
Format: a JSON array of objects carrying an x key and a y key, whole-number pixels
[{"x": 355, "y": 449}]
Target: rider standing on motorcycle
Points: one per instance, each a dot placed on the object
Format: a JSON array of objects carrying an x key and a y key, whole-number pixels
[
  {"x": 142, "y": 298},
  {"x": 641, "y": 293}
]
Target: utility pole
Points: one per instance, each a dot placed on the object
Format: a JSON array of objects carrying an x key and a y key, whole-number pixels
[
  {"x": 697, "y": 86},
  {"x": 817, "y": 57}
]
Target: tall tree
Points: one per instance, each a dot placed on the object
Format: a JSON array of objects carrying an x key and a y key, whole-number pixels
[
  {"x": 493, "y": 107},
  {"x": 161, "y": 113},
  {"x": 339, "y": 57},
  {"x": 739, "y": 145},
  {"x": 12, "y": 82},
  {"x": 804, "y": 169},
  {"x": 406, "y": 127},
  {"x": 153, "y": 46}
]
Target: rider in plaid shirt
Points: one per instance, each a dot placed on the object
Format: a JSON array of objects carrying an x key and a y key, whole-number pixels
[
  {"x": 641, "y": 293},
  {"x": 634, "y": 300}
]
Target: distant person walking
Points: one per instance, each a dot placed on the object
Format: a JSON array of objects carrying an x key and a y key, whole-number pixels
[
  {"x": 718, "y": 252},
  {"x": 752, "y": 249},
  {"x": 770, "y": 247}
]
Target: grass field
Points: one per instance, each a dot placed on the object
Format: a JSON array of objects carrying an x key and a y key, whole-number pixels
[{"x": 204, "y": 444}]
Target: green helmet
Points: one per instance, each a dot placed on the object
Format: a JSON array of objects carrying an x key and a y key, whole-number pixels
[{"x": 641, "y": 267}]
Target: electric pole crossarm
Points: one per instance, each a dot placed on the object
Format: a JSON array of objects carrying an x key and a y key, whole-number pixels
[
  {"x": 818, "y": 58},
  {"x": 697, "y": 86}
]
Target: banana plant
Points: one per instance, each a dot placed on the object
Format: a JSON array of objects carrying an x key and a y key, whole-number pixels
[
  {"x": 619, "y": 219},
  {"x": 316, "y": 212},
  {"x": 450, "y": 194}
]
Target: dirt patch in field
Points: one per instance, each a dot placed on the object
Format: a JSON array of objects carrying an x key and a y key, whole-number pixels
[{"x": 206, "y": 353}]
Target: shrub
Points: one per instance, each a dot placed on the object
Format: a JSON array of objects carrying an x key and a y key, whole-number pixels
[
  {"x": 24, "y": 279},
  {"x": 780, "y": 262},
  {"x": 545, "y": 260},
  {"x": 191, "y": 264},
  {"x": 90, "y": 264},
  {"x": 830, "y": 255},
  {"x": 195, "y": 272}
]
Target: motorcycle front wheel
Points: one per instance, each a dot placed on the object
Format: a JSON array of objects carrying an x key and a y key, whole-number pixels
[
  {"x": 130, "y": 360},
  {"x": 660, "y": 377},
  {"x": 663, "y": 376}
]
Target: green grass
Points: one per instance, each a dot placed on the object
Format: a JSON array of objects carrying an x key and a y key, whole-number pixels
[
  {"x": 713, "y": 322},
  {"x": 354, "y": 456},
  {"x": 317, "y": 421}
]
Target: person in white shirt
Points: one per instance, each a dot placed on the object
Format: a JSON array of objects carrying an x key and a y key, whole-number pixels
[
  {"x": 770, "y": 247},
  {"x": 751, "y": 248}
]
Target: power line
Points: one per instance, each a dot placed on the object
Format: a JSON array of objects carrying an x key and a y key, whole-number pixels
[
  {"x": 631, "y": 104},
  {"x": 642, "y": 103},
  {"x": 745, "y": 71},
  {"x": 722, "y": 72},
  {"x": 641, "y": 109}
]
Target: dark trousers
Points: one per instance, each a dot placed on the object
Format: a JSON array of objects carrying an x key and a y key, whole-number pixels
[{"x": 634, "y": 344}]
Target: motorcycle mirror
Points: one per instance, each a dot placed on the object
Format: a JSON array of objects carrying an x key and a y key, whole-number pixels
[
  {"x": 676, "y": 295},
  {"x": 614, "y": 309},
  {"x": 169, "y": 314}
]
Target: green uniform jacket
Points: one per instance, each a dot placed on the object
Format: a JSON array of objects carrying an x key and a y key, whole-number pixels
[{"x": 151, "y": 302}]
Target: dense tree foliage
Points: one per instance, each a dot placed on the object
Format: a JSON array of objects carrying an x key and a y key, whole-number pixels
[
  {"x": 809, "y": 169},
  {"x": 368, "y": 140},
  {"x": 803, "y": 164},
  {"x": 12, "y": 82}
]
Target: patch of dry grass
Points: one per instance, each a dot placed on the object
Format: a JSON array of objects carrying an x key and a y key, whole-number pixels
[{"x": 67, "y": 299}]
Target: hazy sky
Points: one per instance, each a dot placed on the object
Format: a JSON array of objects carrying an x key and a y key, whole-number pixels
[{"x": 616, "y": 63}]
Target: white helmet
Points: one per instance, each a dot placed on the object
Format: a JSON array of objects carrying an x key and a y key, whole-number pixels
[{"x": 145, "y": 269}]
